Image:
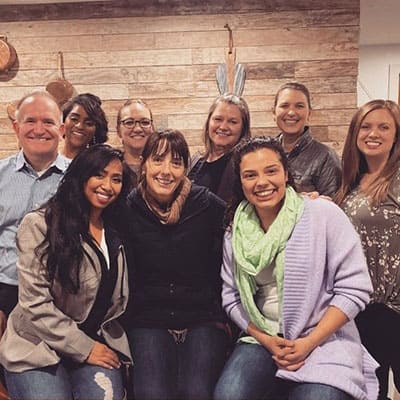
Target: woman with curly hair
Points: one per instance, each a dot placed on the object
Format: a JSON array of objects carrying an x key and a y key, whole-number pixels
[
  {"x": 294, "y": 279},
  {"x": 85, "y": 124}
]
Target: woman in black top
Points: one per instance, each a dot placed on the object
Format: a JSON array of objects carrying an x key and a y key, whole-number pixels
[
  {"x": 227, "y": 122},
  {"x": 175, "y": 323}
]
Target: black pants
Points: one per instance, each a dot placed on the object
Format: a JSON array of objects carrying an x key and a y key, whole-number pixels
[
  {"x": 379, "y": 328},
  {"x": 8, "y": 300}
]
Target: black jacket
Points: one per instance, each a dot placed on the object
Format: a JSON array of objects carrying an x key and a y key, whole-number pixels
[
  {"x": 314, "y": 166},
  {"x": 174, "y": 270}
]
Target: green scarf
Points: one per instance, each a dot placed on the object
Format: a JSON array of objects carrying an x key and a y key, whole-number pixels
[{"x": 255, "y": 250}]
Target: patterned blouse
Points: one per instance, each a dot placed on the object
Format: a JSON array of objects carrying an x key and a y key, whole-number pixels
[{"x": 379, "y": 229}]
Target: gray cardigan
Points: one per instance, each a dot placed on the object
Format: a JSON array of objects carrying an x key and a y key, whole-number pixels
[
  {"x": 324, "y": 266},
  {"x": 44, "y": 325}
]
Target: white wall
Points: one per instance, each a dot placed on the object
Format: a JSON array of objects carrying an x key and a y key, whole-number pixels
[
  {"x": 379, "y": 68},
  {"x": 379, "y": 52}
]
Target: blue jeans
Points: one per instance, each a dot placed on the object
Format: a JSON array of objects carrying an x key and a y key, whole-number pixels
[
  {"x": 66, "y": 381},
  {"x": 250, "y": 374},
  {"x": 185, "y": 367}
]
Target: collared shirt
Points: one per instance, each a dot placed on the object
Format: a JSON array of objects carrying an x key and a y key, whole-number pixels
[{"x": 22, "y": 190}]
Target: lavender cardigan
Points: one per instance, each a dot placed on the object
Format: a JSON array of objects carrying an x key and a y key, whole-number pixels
[{"x": 324, "y": 266}]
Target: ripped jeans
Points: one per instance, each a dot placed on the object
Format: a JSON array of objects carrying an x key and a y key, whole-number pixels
[{"x": 66, "y": 381}]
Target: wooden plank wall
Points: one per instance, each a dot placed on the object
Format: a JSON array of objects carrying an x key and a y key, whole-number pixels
[{"x": 166, "y": 53}]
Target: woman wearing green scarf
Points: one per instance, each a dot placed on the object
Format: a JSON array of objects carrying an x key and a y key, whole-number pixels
[{"x": 294, "y": 279}]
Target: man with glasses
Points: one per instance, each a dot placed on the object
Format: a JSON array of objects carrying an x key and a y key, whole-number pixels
[{"x": 134, "y": 126}]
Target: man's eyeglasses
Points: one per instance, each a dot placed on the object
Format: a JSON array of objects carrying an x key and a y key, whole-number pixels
[{"x": 130, "y": 123}]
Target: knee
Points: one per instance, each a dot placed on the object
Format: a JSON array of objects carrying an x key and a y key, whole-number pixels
[{"x": 225, "y": 390}]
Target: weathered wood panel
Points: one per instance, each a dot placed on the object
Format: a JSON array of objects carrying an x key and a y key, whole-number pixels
[
  {"x": 176, "y": 40},
  {"x": 167, "y": 52},
  {"x": 141, "y": 8},
  {"x": 136, "y": 25}
]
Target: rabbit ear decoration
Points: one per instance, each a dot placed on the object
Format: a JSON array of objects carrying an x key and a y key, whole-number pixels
[
  {"x": 238, "y": 81},
  {"x": 230, "y": 76}
]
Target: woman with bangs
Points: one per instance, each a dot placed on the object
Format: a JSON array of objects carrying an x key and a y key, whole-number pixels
[
  {"x": 370, "y": 196},
  {"x": 175, "y": 322},
  {"x": 85, "y": 124}
]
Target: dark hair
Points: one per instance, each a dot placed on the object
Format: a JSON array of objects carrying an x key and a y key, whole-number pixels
[
  {"x": 163, "y": 141},
  {"x": 238, "y": 101},
  {"x": 130, "y": 102},
  {"x": 244, "y": 147},
  {"x": 354, "y": 164},
  {"x": 92, "y": 105},
  {"x": 294, "y": 86},
  {"x": 67, "y": 215}
]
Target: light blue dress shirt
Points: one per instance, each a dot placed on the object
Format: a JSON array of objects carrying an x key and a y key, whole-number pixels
[{"x": 22, "y": 190}]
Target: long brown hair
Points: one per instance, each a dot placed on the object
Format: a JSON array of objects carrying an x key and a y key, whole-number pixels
[{"x": 354, "y": 164}]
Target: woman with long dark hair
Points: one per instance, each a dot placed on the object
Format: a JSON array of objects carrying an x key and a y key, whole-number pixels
[
  {"x": 85, "y": 124},
  {"x": 63, "y": 340},
  {"x": 370, "y": 196},
  {"x": 294, "y": 279}
]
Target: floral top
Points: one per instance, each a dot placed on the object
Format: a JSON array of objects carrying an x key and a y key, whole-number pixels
[{"x": 379, "y": 229}]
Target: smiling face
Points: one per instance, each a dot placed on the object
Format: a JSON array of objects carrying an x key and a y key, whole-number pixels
[
  {"x": 164, "y": 172},
  {"x": 134, "y": 138},
  {"x": 377, "y": 135},
  {"x": 79, "y": 128},
  {"x": 263, "y": 180},
  {"x": 291, "y": 112},
  {"x": 38, "y": 128},
  {"x": 103, "y": 189},
  {"x": 225, "y": 126}
]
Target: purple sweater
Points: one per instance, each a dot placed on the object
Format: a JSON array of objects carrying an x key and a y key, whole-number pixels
[{"x": 324, "y": 266}]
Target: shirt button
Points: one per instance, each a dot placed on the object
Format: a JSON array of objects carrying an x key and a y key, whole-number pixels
[{"x": 172, "y": 314}]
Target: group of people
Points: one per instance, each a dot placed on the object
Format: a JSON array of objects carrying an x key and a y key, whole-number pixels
[{"x": 150, "y": 274}]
